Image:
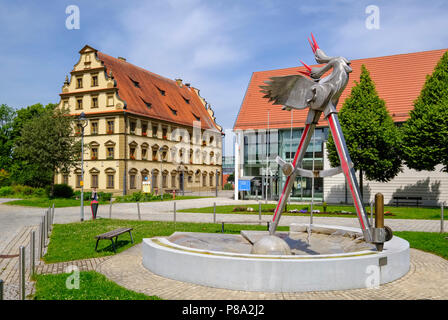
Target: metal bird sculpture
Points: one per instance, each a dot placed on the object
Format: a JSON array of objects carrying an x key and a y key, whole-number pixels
[{"x": 320, "y": 94}]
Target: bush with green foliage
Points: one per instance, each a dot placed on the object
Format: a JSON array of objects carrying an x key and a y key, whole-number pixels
[
  {"x": 6, "y": 191},
  {"x": 62, "y": 191},
  {"x": 228, "y": 186}
]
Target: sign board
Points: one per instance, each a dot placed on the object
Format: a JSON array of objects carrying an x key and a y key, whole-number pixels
[
  {"x": 244, "y": 185},
  {"x": 146, "y": 187}
]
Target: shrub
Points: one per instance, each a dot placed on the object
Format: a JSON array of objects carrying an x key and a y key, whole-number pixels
[
  {"x": 62, "y": 191},
  {"x": 228, "y": 186},
  {"x": 39, "y": 192},
  {"x": 105, "y": 196},
  {"x": 6, "y": 191}
]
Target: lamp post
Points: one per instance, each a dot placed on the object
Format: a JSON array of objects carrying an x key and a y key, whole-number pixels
[
  {"x": 82, "y": 120},
  {"x": 161, "y": 173}
]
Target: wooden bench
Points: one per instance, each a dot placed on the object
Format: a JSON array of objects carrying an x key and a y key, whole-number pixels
[
  {"x": 111, "y": 235},
  {"x": 407, "y": 200}
]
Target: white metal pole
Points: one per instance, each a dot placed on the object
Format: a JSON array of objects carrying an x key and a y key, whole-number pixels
[{"x": 237, "y": 160}]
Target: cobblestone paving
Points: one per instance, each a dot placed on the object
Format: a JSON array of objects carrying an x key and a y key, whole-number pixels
[{"x": 426, "y": 279}]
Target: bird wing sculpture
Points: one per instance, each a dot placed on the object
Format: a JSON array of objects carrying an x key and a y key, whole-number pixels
[
  {"x": 321, "y": 94},
  {"x": 291, "y": 91}
]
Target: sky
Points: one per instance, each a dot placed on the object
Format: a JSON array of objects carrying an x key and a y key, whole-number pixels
[{"x": 215, "y": 45}]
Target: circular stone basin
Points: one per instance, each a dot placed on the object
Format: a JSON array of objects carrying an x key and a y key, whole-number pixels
[{"x": 332, "y": 258}]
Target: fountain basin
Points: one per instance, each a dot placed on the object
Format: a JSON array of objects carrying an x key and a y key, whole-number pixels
[{"x": 224, "y": 261}]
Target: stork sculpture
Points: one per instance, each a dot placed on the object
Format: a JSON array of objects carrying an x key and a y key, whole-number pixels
[{"x": 320, "y": 95}]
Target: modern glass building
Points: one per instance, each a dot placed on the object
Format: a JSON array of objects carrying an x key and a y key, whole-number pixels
[{"x": 260, "y": 149}]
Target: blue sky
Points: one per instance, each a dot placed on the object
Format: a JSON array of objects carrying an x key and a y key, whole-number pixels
[{"x": 213, "y": 44}]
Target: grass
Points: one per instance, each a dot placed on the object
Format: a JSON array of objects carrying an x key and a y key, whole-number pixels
[
  {"x": 395, "y": 212},
  {"x": 76, "y": 241},
  {"x": 46, "y": 202},
  {"x": 63, "y": 203},
  {"x": 432, "y": 242},
  {"x": 166, "y": 197},
  {"x": 92, "y": 286}
]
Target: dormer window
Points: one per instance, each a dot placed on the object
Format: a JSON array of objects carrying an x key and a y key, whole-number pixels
[
  {"x": 162, "y": 92},
  {"x": 136, "y": 83},
  {"x": 174, "y": 111},
  {"x": 148, "y": 105},
  {"x": 186, "y": 100},
  {"x": 196, "y": 117}
]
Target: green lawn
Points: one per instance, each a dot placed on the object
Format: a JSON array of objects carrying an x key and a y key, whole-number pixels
[
  {"x": 432, "y": 242},
  {"x": 92, "y": 286},
  {"x": 332, "y": 211},
  {"x": 46, "y": 202},
  {"x": 76, "y": 241},
  {"x": 62, "y": 203}
]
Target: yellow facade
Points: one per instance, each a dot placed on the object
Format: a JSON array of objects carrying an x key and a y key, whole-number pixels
[{"x": 122, "y": 148}]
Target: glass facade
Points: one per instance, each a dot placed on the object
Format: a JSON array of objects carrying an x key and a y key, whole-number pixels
[{"x": 262, "y": 147}]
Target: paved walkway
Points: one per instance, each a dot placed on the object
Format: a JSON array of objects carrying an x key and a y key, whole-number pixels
[
  {"x": 427, "y": 279},
  {"x": 16, "y": 222}
]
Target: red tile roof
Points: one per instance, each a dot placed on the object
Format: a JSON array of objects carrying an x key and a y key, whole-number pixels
[
  {"x": 179, "y": 105},
  {"x": 398, "y": 79}
]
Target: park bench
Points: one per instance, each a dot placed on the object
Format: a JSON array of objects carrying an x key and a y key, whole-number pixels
[
  {"x": 111, "y": 235},
  {"x": 407, "y": 200}
]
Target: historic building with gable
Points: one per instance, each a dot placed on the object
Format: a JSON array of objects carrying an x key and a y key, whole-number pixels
[{"x": 141, "y": 127}]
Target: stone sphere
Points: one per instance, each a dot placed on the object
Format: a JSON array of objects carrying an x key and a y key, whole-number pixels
[{"x": 271, "y": 245}]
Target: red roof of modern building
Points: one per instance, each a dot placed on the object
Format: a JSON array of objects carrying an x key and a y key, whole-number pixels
[
  {"x": 398, "y": 80},
  {"x": 148, "y": 94}
]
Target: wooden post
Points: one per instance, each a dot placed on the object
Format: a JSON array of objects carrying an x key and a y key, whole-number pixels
[
  {"x": 32, "y": 251},
  {"x": 110, "y": 208},
  {"x": 441, "y": 218},
  {"x": 22, "y": 273},
  {"x": 174, "y": 216},
  {"x": 138, "y": 211}
]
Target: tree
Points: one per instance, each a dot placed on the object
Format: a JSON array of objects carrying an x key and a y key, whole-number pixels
[
  {"x": 6, "y": 138},
  {"x": 372, "y": 138},
  {"x": 46, "y": 142},
  {"x": 425, "y": 133},
  {"x": 22, "y": 171}
]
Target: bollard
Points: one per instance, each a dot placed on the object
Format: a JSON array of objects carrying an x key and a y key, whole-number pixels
[
  {"x": 379, "y": 219},
  {"x": 52, "y": 216},
  {"x": 41, "y": 239},
  {"x": 174, "y": 216},
  {"x": 22, "y": 273},
  {"x": 32, "y": 251},
  {"x": 259, "y": 211},
  {"x": 214, "y": 212},
  {"x": 47, "y": 213},
  {"x": 1, "y": 289},
  {"x": 138, "y": 211},
  {"x": 441, "y": 218},
  {"x": 110, "y": 208},
  {"x": 44, "y": 231}
]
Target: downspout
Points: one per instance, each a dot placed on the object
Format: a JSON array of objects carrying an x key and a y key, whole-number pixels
[{"x": 125, "y": 154}]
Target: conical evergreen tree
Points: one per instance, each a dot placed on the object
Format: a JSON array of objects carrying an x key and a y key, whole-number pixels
[
  {"x": 425, "y": 133},
  {"x": 370, "y": 133}
]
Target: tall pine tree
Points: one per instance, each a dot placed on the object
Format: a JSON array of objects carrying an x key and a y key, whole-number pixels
[
  {"x": 425, "y": 133},
  {"x": 370, "y": 133}
]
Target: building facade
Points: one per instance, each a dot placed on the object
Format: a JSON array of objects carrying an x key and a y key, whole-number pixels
[
  {"x": 141, "y": 127},
  {"x": 265, "y": 131}
]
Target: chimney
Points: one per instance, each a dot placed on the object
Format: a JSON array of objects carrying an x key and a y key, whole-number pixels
[
  {"x": 179, "y": 82},
  {"x": 122, "y": 59}
]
